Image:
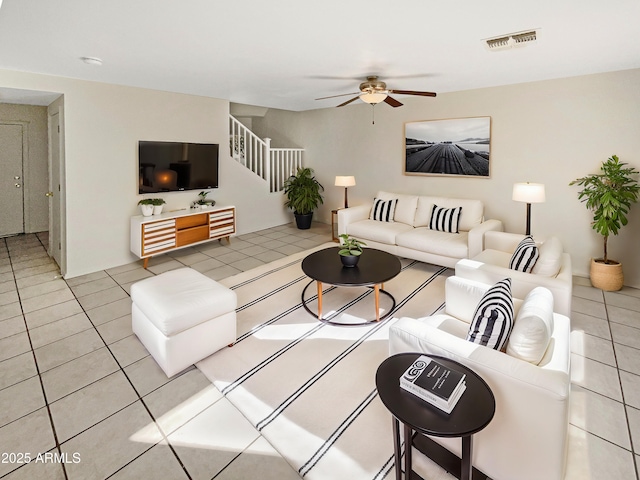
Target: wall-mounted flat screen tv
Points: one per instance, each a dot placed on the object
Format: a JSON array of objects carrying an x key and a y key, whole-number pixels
[{"x": 176, "y": 166}]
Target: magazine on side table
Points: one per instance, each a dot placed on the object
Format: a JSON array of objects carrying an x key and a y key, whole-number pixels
[{"x": 433, "y": 382}]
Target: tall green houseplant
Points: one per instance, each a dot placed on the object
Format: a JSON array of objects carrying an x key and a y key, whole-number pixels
[
  {"x": 303, "y": 196},
  {"x": 609, "y": 195}
]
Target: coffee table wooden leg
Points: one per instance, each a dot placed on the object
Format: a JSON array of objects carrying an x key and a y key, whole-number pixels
[
  {"x": 376, "y": 291},
  {"x": 319, "y": 299}
]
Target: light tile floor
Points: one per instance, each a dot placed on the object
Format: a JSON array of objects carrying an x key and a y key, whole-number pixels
[{"x": 76, "y": 385}]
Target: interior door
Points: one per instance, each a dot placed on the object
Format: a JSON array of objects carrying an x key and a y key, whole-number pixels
[
  {"x": 11, "y": 178},
  {"x": 55, "y": 235}
]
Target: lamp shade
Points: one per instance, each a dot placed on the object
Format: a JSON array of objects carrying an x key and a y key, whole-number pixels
[
  {"x": 528, "y": 192},
  {"x": 345, "y": 181}
]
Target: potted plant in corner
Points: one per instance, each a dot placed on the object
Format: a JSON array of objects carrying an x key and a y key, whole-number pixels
[
  {"x": 146, "y": 206},
  {"x": 350, "y": 250},
  {"x": 157, "y": 205},
  {"x": 303, "y": 196},
  {"x": 609, "y": 196}
]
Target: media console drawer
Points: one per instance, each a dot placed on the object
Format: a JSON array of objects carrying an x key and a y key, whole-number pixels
[
  {"x": 191, "y": 235},
  {"x": 192, "y": 221},
  {"x": 173, "y": 230}
]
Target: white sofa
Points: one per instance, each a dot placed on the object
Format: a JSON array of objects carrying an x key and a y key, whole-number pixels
[
  {"x": 527, "y": 438},
  {"x": 409, "y": 234},
  {"x": 552, "y": 269}
]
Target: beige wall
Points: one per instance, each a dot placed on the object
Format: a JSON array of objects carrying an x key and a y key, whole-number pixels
[
  {"x": 35, "y": 167},
  {"x": 103, "y": 124},
  {"x": 549, "y": 132}
]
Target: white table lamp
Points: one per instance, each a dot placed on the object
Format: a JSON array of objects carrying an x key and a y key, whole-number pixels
[
  {"x": 345, "y": 181},
  {"x": 528, "y": 193}
]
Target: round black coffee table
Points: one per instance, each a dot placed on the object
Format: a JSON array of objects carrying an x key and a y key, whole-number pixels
[
  {"x": 474, "y": 410},
  {"x": 374, "y": 268}
]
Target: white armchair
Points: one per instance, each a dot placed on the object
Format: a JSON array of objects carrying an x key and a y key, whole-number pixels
[
  {"x": 527, "y": 438},
  {"x": 552, "y": 270}
]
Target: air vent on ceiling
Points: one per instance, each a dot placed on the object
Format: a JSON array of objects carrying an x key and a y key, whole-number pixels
[{"x": 511, "y": 40}]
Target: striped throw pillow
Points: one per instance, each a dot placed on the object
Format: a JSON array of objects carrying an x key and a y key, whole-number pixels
[
  {"x": 445, "y": 219},
  {"x": 383, "y": 210},
  {"x": 493, "y": 319},
  {"x": 525, "y": 255}
]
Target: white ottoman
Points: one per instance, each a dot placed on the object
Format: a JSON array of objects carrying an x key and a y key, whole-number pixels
[{"x": 182, "y": 316}]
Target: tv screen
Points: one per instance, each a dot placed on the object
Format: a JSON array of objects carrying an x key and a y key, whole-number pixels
[{"x": 175, "y": 166}]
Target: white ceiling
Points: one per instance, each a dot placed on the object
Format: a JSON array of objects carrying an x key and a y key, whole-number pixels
[{"x": 285, "y": 53}]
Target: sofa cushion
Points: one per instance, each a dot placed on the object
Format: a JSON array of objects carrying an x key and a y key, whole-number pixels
[
  {"x": 533, "y": 327},
  {"x": 525, "y": 255},
  {"x": 493, "y": 318},
  {"x": 405, "y": 208},
  {"x": 437, "y": 243},
  {"x": 494, "y": 257},
  {"x": 383, "y": 210},
  {"x": 549, "y": 259},
  {"x": 471, "y": 216},
  {"x": 382, "y": 232},
  {"x": 445, "y": 219}
]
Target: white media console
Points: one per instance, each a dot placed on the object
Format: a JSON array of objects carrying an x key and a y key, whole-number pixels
[{"x": 174, "y": 230}]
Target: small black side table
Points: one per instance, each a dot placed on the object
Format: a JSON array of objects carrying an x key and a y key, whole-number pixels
[{"x": 473, "y": 412}]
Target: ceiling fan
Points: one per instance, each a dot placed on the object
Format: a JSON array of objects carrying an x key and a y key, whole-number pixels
[{"x": 374, "y": 91}]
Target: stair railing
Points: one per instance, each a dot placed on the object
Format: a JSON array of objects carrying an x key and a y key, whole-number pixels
[{"x": 274, "y": 165}]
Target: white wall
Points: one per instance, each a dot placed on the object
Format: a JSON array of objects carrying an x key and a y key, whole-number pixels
[
  {"x": 549, "y": 132},
  {"x": 103, "y": 124}
]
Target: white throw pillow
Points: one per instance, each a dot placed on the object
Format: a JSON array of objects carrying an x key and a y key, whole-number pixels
[
  {"x": 549, "y": 258},
  {"x": 533, "y": 327},
  {"x": 493, "y": 319}
]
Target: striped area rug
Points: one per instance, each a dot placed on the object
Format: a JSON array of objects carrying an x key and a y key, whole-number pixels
[{"x": 309, "y": 387}]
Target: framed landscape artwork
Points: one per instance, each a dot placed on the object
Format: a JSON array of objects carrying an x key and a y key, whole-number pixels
[{"x": 454, "y": 147}]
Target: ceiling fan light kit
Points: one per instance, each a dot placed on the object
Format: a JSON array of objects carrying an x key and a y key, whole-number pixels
[
  {"x": 373, "y": 97},
  {"x": 374, "y": 91}
]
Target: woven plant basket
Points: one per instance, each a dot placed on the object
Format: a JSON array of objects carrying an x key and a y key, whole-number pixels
[{"x": 605, "y": 276}]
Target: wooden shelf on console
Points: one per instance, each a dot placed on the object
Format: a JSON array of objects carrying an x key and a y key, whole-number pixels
[{"x": 174, "y": 230}]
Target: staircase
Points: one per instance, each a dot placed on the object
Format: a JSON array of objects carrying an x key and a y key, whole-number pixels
[{"x": 274, "y": 165}]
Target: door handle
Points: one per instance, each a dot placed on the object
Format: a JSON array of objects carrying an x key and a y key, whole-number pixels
[
  {"x": 16, "y": 178},
  {"x": 48, "y": 194}
]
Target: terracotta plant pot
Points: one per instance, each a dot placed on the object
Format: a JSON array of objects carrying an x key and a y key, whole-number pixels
[{"x": 606, "y": 276}]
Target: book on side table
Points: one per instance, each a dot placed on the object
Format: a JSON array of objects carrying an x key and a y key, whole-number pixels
[{"x": 433, "y": 382}]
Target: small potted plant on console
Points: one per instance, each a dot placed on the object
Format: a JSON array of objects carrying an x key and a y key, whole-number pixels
[
  {"x": 350, "y": 250},
  {"x": 157, "y": 205},
  {"x": 146, "y": 206}
]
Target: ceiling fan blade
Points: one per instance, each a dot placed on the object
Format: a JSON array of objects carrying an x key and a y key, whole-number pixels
[
  {"x": 392, "y": 101},
  {"x": 341, "y": 95},
  {"x": 413, "y": 92},
  {"x": 348, "y": 101}
]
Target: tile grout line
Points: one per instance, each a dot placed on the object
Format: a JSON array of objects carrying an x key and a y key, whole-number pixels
[
  {"x": 44, "y": 394},
  {"x": 121, "y": 369},
  {"x": 624, "y": 403}
]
